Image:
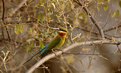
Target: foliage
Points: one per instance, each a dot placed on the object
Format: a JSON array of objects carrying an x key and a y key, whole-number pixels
[{"x": 35, "y": 23}]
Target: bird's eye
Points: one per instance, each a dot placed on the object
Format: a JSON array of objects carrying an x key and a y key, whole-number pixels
[{"x": 63, "y": 30}]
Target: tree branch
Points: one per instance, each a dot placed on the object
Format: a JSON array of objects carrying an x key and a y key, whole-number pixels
[
  {"x": 91, "y": 17},
  {"x": 3, "y": 12},
  {"x": 50, "y": 56},
  {"x": 18, "y": 7},
  {"x": 3, "y": 16}
]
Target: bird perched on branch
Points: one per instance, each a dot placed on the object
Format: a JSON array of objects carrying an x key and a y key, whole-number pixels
[{"x": 58, "y": 41}]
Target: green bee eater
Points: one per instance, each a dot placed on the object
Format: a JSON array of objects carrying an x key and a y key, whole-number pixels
[{"x": 58, "y": 41}]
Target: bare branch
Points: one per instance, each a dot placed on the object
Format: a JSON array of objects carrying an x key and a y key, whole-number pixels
[
  {"x": 3, "y": 16},
  {"x": 119, "y": 26},
  {"x": 50, "y": 56},
  {"x": 18, "y": 7},
  {"x": 3, "y": 13},
  {"x": 91, "y": 17}
]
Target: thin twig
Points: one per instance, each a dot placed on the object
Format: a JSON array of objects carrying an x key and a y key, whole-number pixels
[
  {"x": 18, "y": 7},
  {"x": 3, "y": 15},
  {"x": 8, "y": 33},
  {"x": 118, "y": 48},
  {"x": 50, "y": 56},
  {"x": 71, "y": 34},
  {"x": 119, "y": 26},
  {"x": 91, "y": 17}
]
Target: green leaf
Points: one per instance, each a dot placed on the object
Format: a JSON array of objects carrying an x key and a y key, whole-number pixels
[
  {"x": 30, "y": 30},
  {"x": 54, "y": 33},
  {"x": 16, "y": 29},
  {"x": 120, "y": 3},
  {"x": 21, "y": 28},
  {"x": 105, "y": 7},
  {"x": 48, "y": 30},
  {"x": 100, "y": 2},
  {"x": 38, "y": 39},
  {"x": 41, "y": 44},
  {"x": 38, "y": 17},
  {"x": 117, "y": 13},
  {"x": 113, "y": 14},
  {"x": 29, "y": 47},
  {"x": 98, "y": 8}
]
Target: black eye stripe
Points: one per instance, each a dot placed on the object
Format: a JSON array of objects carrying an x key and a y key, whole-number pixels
[{"x": 62, "y": 30}]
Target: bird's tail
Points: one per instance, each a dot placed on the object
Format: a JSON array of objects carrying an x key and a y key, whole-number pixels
[{"x": 40, "y": 52}]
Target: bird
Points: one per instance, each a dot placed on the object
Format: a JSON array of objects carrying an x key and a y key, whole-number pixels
[{"x": 57, "y": 42}]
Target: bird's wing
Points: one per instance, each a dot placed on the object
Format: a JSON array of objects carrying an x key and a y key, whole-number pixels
[{"x": 54, "y": 43}]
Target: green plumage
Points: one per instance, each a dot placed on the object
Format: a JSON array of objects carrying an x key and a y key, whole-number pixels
[{"x": 58, "y": 41}]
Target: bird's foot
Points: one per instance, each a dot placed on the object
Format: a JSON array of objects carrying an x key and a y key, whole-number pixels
[{"x": 54, "y": 52}]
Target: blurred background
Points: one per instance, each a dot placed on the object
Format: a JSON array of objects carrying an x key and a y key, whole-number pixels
[{"x": 27, "y": 25}]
